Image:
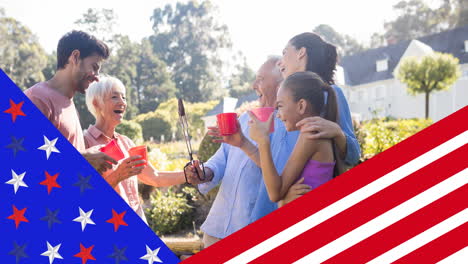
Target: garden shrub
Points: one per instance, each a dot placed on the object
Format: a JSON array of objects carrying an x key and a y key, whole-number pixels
[
  {"x": 169, "y": 212},
  {"x": 154, "y": 124},
  {"x": 207, "y": 148},
  {"x": 381, "y": 134},
  {"x": 132, "y": 130}
]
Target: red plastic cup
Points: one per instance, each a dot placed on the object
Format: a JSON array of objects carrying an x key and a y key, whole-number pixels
[
  {"x": 140, "y": 151},
  {"x": 113, "y": 150},
  {"x": 263, "y": 113},
  {"x": 227, "y": 123}
]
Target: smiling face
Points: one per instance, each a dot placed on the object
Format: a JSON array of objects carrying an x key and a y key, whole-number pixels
[
  {"x": 113, "y": 106},
  {"x": 87, "y": 71},
  {"x": 266, "y": 84},
  {"x": 289, "y": 111},
  {"x": 293, "y": 60}
]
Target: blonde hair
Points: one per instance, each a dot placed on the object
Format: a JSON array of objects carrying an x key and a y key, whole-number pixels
[{"x": 97, "y": 91}]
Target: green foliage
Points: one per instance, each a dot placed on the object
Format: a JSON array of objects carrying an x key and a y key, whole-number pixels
[
  {"x": 188, "y": 39},
  {"x": 434, "y": 72},
  {"x": 461, "y": 11},
  {"x": 122, "y": 65},
  {"x": 207, "y": 148},
  {"x": 153, "y": 81},
  {"x": 415, "y": 18},
  {"x": 168, "y": 112},
  {"x": 86, "y": 118},
  {"x": 169, "y": 212},
  {"x": 154, "y": 124},
  {"x": 132, "y": 130},
  {"x": 99, "y": 22},
  {"x": 22, "y": 57},
  {"x": 241, "y": 80},
  {"x": 346, "y": 43},
  {"x": 51, "y": 66},
  {"x": 381, "y": 134}
]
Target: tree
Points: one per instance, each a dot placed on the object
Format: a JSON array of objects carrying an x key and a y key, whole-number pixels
[
  {"x": 435, "y": 72},
  {"x": 462, "y": 13},
  {"x": 188, "y": 39},
  {"x": 145, "y": 76},
  {"x": 101, "y": 23},
  {"x": 22, "y": 57},
  {"x": 347, "y": 44},
  {"x": 153, "y": 81},
  {"x": 416, "y": 19},
  {"x": 122, "y": 65},
  {"x": 240, "y": 83},
  {"x": 51, "y": 66}
]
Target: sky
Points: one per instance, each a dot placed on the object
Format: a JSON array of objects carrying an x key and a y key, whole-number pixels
[{"x": 258, "y": 28}]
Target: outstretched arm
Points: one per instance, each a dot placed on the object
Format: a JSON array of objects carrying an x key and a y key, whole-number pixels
[
  {"x": 278, "y": 185},
  {"x": 150, "y": 176}
]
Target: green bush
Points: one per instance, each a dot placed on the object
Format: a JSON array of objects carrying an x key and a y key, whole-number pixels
[
  {"x": 207, "y": 148},
  {"x": 154, "y": 125},
  {"x": 165, "y": 119},
  {"x": 381, "y": 134},
  {"x": 194, "y": 112},
  {"x": 169, "y": 212},
  {"x": 132, "y": 130}
]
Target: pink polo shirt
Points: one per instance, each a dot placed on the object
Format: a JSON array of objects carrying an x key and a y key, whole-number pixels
[
  {"x": 127, "y": 188},
  {"x": 60, "y": 110}
]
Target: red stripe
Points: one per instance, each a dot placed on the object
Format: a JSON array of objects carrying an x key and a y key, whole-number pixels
[
  {"x": 440, "y": 248},
  {"x": 405, "y": 229},
  {"x": 323, "y": 196},
  {"x": 368, "y": 209}
]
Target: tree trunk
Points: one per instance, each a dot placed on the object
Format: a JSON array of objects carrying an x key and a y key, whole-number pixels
[{"x": 427, "y": 105}]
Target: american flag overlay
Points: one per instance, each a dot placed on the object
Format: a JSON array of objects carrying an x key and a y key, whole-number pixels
[
  {"x": 55, "y": 208},
  {"x": 406, "y": 205}
]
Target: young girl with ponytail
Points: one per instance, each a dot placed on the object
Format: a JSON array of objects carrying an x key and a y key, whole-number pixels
[{"x": 301, "y": 95}]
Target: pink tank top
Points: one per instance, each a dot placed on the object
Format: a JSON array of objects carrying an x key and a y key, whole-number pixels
[{"x": 316, "y": 173}]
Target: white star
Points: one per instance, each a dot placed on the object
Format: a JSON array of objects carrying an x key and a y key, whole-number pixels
[
  {"x": 84, "y": 218},
  {"x": 49, "y": 146},
  {"x": 151, "y": 256},
  {"x": 17, "y": 180},
  {"x": 52, "y": 252}
]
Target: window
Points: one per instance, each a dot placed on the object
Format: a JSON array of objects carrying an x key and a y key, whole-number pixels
[
  {"x": 466, "y": 45},
  {"x": 382, "y": 65}
]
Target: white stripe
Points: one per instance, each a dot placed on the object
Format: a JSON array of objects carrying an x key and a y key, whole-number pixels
[
  {"x": 458, "y": 257},
  {"x": 423, "y": 238},
  {"x": 386, "y": 219},
  {"x": 351, "y": 199}
]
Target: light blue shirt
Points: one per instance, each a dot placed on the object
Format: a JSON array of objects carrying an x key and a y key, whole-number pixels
[
  {"x": 353, "y": 151},
  {"x": 242, "y": 197}
]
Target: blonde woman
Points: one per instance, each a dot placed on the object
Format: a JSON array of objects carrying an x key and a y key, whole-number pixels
[{"x": 106, "y": 101}]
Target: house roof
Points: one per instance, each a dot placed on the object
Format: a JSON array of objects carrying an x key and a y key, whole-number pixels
[
  {"x": 247, "y": 98},
  {"x": 218, "y": 109},
  {"x": 360, "y": 68}
]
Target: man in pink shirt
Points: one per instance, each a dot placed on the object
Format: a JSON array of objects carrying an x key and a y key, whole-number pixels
[{"x": 79, "y": 58}]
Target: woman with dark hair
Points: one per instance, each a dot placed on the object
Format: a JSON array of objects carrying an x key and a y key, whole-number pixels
[
  {"x": 309, "y": 52},
  {"x": 300, "y": 96}
]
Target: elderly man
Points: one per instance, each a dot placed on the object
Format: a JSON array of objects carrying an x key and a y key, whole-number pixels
[
  {"x": 242, "y": 197},
  {"x": 79, "y": 58}
]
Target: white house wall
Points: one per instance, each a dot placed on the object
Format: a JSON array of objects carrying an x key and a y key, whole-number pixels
[{"x": 390, "y": 98}]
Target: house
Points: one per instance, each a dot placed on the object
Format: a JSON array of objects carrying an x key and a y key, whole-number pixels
[{"x": 372, "y": 89}]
